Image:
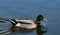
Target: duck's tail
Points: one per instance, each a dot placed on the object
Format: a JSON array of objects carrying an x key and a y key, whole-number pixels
[{"x": 13, "y": 21}]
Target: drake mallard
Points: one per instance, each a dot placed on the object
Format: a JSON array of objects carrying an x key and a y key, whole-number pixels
[{"x": 27, "y": 23}]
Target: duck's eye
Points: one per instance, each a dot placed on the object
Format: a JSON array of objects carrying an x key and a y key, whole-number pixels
[{"x": 41, "y": 18}]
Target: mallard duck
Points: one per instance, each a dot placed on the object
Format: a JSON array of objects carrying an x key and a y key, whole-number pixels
[{"x": 27, "y": 23}]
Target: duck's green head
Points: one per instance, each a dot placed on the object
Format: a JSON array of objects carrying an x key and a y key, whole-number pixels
[{"x": 41, "y": 17}]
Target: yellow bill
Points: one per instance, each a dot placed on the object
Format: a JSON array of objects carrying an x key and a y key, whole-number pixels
[{"x": 45, "y": 19}]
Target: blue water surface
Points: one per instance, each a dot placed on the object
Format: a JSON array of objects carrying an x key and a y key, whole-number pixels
[{"x": 30, "y": 9}]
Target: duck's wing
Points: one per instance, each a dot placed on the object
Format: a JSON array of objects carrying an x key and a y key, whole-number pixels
[{"x": 25, "y": 21}]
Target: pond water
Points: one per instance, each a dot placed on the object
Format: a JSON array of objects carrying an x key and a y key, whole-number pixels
[{"x": 30, "y": 9}]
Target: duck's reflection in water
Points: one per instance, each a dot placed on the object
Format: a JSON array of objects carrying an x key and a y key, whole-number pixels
[{"x": 38, "y": 30}]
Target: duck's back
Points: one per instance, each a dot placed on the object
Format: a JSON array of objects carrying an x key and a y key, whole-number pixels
[{"x": 25, "y": 21}]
